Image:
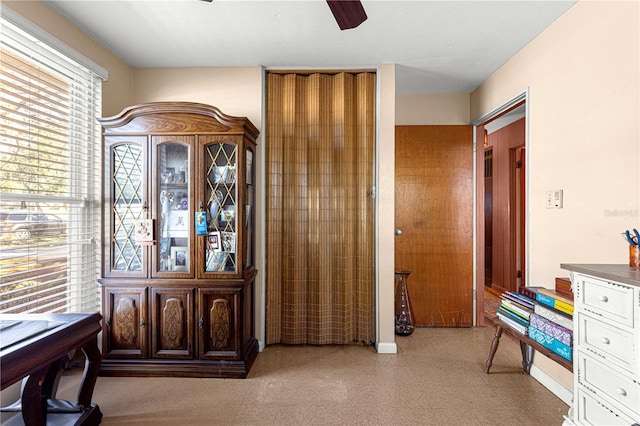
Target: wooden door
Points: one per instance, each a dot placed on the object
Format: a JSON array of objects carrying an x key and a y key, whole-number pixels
[
  {"x": 124, "y": 333},
  {"x": 508, "y": 209},
  {"x": 434, "y": 213},
  {"x": 172, "y": 323},
  {"x": 218, "y": 322}
]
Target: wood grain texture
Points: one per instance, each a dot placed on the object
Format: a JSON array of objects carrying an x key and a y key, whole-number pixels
[
  {"x": 505, "y": 231},
  {"x": 182, "y": 336},
  {"x": 320, "y": 223},
  {"x": 434, "y": 210}
]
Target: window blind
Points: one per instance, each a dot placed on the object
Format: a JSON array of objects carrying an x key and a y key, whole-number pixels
[{"x": 49, "y": 178}]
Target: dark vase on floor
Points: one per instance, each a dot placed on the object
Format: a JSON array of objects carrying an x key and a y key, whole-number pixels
[{"x": 403, "y": 309}]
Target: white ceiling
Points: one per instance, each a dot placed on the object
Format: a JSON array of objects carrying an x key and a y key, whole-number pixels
[{"x": 438, "y": 46}]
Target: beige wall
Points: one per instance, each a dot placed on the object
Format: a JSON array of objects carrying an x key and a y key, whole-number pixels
[
  {"x": 583, "y": 77},
  {"x": 118, "y": 90},
  {"x": 582, "y": 73},
  {"x": 385, "y": 211},
  {"x": 432, "y": 109},
  {"x": 235, "y": 91}
]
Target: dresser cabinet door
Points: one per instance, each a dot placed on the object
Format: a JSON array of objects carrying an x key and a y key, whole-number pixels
[
  {"x": 615, "y": 344},
  {"x": 125, "y": 326},
  {"x": 172, "y": 323},
  {"x": 218, "y": 322},
  {"x": 617, "y": 388},
  {"x": 593, "y": 412}
]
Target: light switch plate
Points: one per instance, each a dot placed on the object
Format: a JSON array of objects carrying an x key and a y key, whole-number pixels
[{"x": 554, "y": 199}]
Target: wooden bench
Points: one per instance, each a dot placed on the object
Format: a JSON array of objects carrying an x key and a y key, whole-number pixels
[{"x": 527, "y": 346}]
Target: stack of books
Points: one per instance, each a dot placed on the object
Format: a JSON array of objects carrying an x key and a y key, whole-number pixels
[
  {"x": 551, "y": 323},
  {"x": 515, "y": 310}
]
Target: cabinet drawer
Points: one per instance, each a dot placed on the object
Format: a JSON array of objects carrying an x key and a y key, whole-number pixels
[
  {"x": 615, "y": 385},
  {"x": 616, "y": 345},
  {"x": 593, "y": 412},
  {"x": 610, "y": 300}
]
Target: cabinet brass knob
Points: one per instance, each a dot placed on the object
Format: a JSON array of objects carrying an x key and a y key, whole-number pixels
[
  {"x": 605, "y": 340},
  {"x": 604, "y": 299}
]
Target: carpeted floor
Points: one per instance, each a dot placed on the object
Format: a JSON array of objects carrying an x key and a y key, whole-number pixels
[{"x": 435, "y": 379}]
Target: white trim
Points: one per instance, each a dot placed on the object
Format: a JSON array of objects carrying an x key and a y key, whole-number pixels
[
  {"x": 386, "y": 348},
  {"x": 37, "y": 32},
  {"x": 566, "y": 395},
  {"x": 522, "y": 96}
]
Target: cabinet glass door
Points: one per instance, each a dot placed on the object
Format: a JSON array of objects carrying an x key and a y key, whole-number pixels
[
  {"x": 174, "y": 219},
  {"x": 221, "y": 203},
  {"x": 127, "y": 192},
  {"x": 249, "y": 203}
]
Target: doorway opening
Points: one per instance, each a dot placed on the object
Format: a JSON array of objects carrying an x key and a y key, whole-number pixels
[{"x": 501, "y": 194}]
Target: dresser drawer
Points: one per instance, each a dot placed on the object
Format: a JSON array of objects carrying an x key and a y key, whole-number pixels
[
  {"x": 593, "y": 412},
  {"x": 618, "y": 346},
  {"x": 610, "y": 300},
  {"x": 610, "y": 383}
]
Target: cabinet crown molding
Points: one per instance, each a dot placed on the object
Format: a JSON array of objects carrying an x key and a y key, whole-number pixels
[{"x": 178, "y": 117}]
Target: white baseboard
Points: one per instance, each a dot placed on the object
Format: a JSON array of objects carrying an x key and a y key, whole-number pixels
[
  {"x": 566, "y": 395},
  {"x": 387, "y": 348}
]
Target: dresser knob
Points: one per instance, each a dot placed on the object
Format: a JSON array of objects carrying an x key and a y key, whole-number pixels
[
  {"x": 605, "y": 340},
  {"x": 621, "y": 392},
  {"x": 604, "y": 299}
]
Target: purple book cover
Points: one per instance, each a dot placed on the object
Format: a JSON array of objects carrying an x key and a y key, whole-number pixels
[{"x": 552, "y": 329}]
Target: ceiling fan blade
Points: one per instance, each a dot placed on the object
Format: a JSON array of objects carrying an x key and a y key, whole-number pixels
[{"x": 348, "y": 13}]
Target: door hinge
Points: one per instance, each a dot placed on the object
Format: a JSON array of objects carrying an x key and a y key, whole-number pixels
[
  {"x": 518, "y": 164},
  {"x": 372, "y": 193}
]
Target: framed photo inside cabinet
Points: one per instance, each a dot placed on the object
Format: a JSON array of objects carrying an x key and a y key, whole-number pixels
[
  {"x": 249, "y": 177},
  {"x": 228, "y": 241},
  {"x": 179, "y": 223},
  {"x": 179, "y": 258},
  {"x": 213, "y": 242}
]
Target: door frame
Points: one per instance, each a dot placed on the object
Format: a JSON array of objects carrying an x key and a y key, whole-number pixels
[{"x": 478, "y": 198}]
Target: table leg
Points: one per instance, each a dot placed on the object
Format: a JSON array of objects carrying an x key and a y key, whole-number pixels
[
  {"x": 494, "y": 346},
  {"x": 34, "y": 406},
  {"x": 527, "y": 357},
  {"x": 52, "y": 379},
  {"x": 90, "y": 375}
]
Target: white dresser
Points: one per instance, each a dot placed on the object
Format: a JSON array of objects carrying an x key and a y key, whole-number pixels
[{"x": 606, "y": 344}]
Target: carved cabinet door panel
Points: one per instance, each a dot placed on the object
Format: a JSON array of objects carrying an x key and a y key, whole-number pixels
[
  {"x": 172, "y": 323},
  {"x": 218, "y": 322},
  {"x": 126, "y": 323}
]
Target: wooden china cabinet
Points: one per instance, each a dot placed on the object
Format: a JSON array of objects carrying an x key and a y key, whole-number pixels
[{"x": 178, "y": 272}]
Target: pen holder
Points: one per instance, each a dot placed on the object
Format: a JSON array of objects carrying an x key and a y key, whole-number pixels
[{"x": 634, "y": 256}]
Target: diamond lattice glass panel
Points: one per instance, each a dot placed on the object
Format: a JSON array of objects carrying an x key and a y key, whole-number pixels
[
  {"x": 127, "y": 206},
  {"x": 221, "y": 196}
]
